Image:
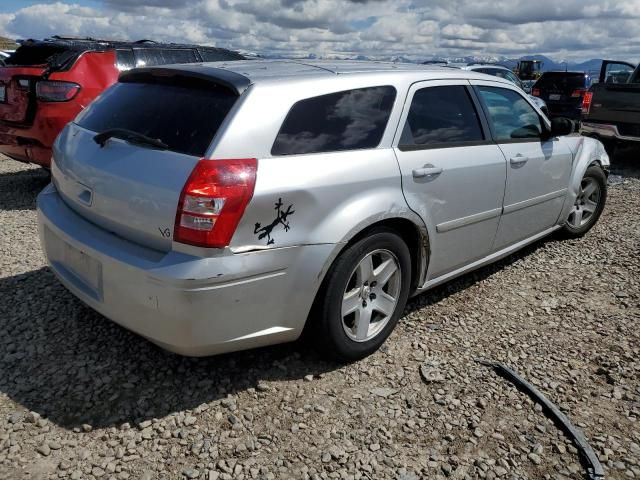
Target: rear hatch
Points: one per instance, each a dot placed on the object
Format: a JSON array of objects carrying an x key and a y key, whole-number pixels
[
  {"x": 132, "y": 188},
  {"x": 561, "y": 87},
  {"x": 18, "y": 77}
]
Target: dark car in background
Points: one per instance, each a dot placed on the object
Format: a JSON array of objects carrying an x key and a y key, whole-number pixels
[
  {"x": 46, "y": 83},
  {"x": 563, "y": 93},
  {"x": 611, "y": 108}
]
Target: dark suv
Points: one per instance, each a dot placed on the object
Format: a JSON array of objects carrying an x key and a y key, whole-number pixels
[
  {"x": 563, "y": 92},
  {"x": 46, "y": 83}
]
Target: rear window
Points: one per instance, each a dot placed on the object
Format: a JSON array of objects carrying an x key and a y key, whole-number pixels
[
  {"x": 38, "y": 55},
  {"x": 349, "y": 120},
  {"x": 184, "y": 116},
  {"x": 561, "y": 81}
]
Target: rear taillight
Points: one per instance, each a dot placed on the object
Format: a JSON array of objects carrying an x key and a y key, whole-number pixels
[
  {"x": 535, "y": 92},
  {"x": 586, "y": 102},
  {"x": 213, "y": 200},
  {"x": 56, "y": 91},
  {"x": 578, "y": 93}
]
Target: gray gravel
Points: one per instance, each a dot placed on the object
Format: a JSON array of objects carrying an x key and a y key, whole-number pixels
[{"x": 83, "y": 398}]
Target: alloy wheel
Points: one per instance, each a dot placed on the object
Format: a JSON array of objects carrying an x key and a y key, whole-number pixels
[
  {"x": 371, "y": 295},
  {"x": 586, "y": 203}
]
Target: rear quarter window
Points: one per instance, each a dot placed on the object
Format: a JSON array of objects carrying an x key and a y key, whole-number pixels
[
  {"x": 347, "y": 120},
  {"x": 164, "y": 56},
  {"x": 215, "y": 55},
  {"x": 184, "y": 116}
]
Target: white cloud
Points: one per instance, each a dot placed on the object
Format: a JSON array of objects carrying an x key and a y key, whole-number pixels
[{"x": 572, "y": 29}]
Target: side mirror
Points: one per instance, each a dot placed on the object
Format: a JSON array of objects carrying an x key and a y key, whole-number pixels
[{"x": 561, "y": 126}]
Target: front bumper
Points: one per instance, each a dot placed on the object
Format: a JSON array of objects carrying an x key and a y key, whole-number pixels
[
  {"x": 604, "y": 130},
  {"x": 186, "y": 304}
]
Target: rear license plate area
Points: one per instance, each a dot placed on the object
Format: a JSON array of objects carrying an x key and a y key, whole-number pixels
[
  {"x": 555, "y": 96},
  {"x": 76, "y": 266},
  {"x": 85, "y": 267}
]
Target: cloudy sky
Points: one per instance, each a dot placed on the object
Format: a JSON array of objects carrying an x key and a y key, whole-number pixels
[{"x": 564, "y": 29}]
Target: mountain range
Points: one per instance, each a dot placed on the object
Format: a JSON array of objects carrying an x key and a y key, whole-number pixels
[
  {"x": 7, "y": 44},
  {"x": 548, "y": 63}
]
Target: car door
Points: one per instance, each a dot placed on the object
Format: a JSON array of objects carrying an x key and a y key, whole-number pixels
[
  {"x": 538, "y": 168},
  {"x": 453, "y": 174}
]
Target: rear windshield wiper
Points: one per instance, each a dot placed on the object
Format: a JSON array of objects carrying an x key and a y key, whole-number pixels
[{"x": 129, "y": 136}]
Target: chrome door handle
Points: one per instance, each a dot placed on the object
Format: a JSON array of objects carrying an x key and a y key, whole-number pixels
[
  {"x": 427, "y": 171},
  {"x": 518, "y": 160}
]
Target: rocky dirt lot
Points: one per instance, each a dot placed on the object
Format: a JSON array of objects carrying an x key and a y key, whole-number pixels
[{"x": 83, "y": 398}]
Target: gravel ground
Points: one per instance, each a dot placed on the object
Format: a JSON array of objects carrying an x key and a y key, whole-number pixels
[{"x": 83, "y": 398}]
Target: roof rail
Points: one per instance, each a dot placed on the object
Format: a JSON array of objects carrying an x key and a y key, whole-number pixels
[
  {"x": 145, "y": 40},
  {"x": 435, "y": 62},
  {"x": 70, "y": 37}
]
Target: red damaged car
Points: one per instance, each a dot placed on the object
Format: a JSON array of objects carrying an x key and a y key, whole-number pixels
[{"x": 46, "y": 83}]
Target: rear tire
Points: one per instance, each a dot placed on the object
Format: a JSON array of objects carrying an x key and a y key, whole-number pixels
[
  {"x": 589, "y": 203},
  {"x": 363, "y": 296}
]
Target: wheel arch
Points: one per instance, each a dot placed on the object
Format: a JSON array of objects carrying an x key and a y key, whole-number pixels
[
  {"x": 588, "y": 152},
  {"x": 409, "y": 227}
]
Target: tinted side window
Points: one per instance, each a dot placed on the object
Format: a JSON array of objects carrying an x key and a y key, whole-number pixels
[
  {"x": 511, "y": 115},
  {"x": 164, "y": 56},
  {"x": 440, "y": 116},
  {"x": 349, "y": 120}
]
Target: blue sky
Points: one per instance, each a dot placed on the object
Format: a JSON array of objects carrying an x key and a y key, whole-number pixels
[
  {"x": 416, "y": 29},
  {"x": 15, "y": 5}
]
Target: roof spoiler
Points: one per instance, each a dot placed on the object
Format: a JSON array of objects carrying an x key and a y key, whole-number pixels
[{"x": 218, "y": 76}]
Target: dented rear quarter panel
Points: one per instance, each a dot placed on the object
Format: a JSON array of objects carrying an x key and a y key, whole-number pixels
[{"x": 315, "y": 198}]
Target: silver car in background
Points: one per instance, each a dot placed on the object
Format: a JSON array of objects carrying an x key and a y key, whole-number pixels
[
  {"x": 503, "y": 72},
  {"x": 226, "y": 206}
]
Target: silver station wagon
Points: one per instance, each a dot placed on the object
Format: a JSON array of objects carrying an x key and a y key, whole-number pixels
[{"x": 225, "y": 206}]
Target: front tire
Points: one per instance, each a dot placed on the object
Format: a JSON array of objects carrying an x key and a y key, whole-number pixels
[
  {"x": 364, "y": 294},
  {"x": 589, "y": 203}
]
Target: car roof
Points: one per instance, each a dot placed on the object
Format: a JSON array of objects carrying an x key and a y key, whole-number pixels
[{"x": 240, "y": 74}]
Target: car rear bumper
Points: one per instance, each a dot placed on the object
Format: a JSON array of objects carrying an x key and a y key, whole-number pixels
[
  {"x": 605, "y": 130},
  {"x": 24, "y": 145},
  {"x": 186, "y": 304},
  {"x": 31, "y": 142}
]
